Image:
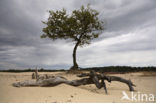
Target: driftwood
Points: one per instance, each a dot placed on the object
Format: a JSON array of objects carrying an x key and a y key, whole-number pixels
[
  {"x": 89, "y": 78},
  {"x": 38, "y": 77},
  {"x": 35, "y": 74},
  {"x": 96, "y": 77}
]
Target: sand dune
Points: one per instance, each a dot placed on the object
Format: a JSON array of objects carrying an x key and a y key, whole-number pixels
[{"x": 69, "y": 94}]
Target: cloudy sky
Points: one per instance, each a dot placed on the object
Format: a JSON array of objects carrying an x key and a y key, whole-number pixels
[{"x": 129, "y": 38}]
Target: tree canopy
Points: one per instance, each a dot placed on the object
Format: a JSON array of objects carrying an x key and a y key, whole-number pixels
[{"x": 81, "y": 26}]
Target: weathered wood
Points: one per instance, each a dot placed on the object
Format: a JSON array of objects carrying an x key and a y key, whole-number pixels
[
  {"x": 33, "y": 76},
  {"x": 110, "y": 78},
  {"x": 46, "y": 82},
  {"x": 36, "y": 73},
  {"x": 90, "y": 78},
  {"x": 38, "y": 77},
  {"x": 128, "y": 82}
]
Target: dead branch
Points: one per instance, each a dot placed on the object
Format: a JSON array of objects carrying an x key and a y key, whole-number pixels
[
  {"x": 90, "y": 78},
  {"x": 109, "y": 78}
]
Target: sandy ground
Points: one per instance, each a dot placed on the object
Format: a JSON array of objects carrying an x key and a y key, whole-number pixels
[{"x": 69, "y": 94}]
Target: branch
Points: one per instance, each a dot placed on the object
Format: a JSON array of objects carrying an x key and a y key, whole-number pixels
[
  {"x": 110, "y": 78},
  {"x": 91, "y": 78}
]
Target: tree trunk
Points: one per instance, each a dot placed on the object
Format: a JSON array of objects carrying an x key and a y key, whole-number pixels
[{"x": 75, "y": 65}]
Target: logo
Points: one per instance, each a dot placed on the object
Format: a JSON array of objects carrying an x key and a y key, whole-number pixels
[{"x": 138, "y": 97}]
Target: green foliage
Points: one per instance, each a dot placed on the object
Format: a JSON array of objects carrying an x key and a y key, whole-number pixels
[
  {"x": 113, "y": 69},
  {"x": 81, "y": 26},
  {"x": 32, "y": 70},
  {"x": 120, "y": 69}
]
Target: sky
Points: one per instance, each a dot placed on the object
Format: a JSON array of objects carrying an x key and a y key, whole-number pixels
[{"x": 129, "y": 37}]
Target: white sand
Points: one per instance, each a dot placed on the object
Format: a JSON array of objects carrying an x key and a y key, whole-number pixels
[{"x": 68, "y": 94}]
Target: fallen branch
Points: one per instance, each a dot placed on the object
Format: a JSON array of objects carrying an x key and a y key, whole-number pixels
[
  {"x": 109, "y": 78},
  {"x": 90, "y": 78}
]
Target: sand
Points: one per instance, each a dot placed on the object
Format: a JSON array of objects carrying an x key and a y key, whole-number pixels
[{"x": 68, "y": 94}]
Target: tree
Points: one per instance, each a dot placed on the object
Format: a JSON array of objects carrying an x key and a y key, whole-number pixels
[{"x": 81, "y": 27}]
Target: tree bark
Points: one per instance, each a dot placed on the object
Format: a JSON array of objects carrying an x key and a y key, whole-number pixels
[{"x": 75, "y": 65}]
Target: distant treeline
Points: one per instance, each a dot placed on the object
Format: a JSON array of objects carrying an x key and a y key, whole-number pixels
[
  {"x": 120, "y": 69},
  {"x": 32, "y": 70}
]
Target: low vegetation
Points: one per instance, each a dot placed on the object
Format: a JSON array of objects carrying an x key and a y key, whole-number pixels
[{"x": 112, "y": 69}]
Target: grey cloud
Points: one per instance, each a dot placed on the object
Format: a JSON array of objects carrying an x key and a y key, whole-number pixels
[
  {"x": 21, "y": 27},
  {"x": 143, "y": 40}
]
